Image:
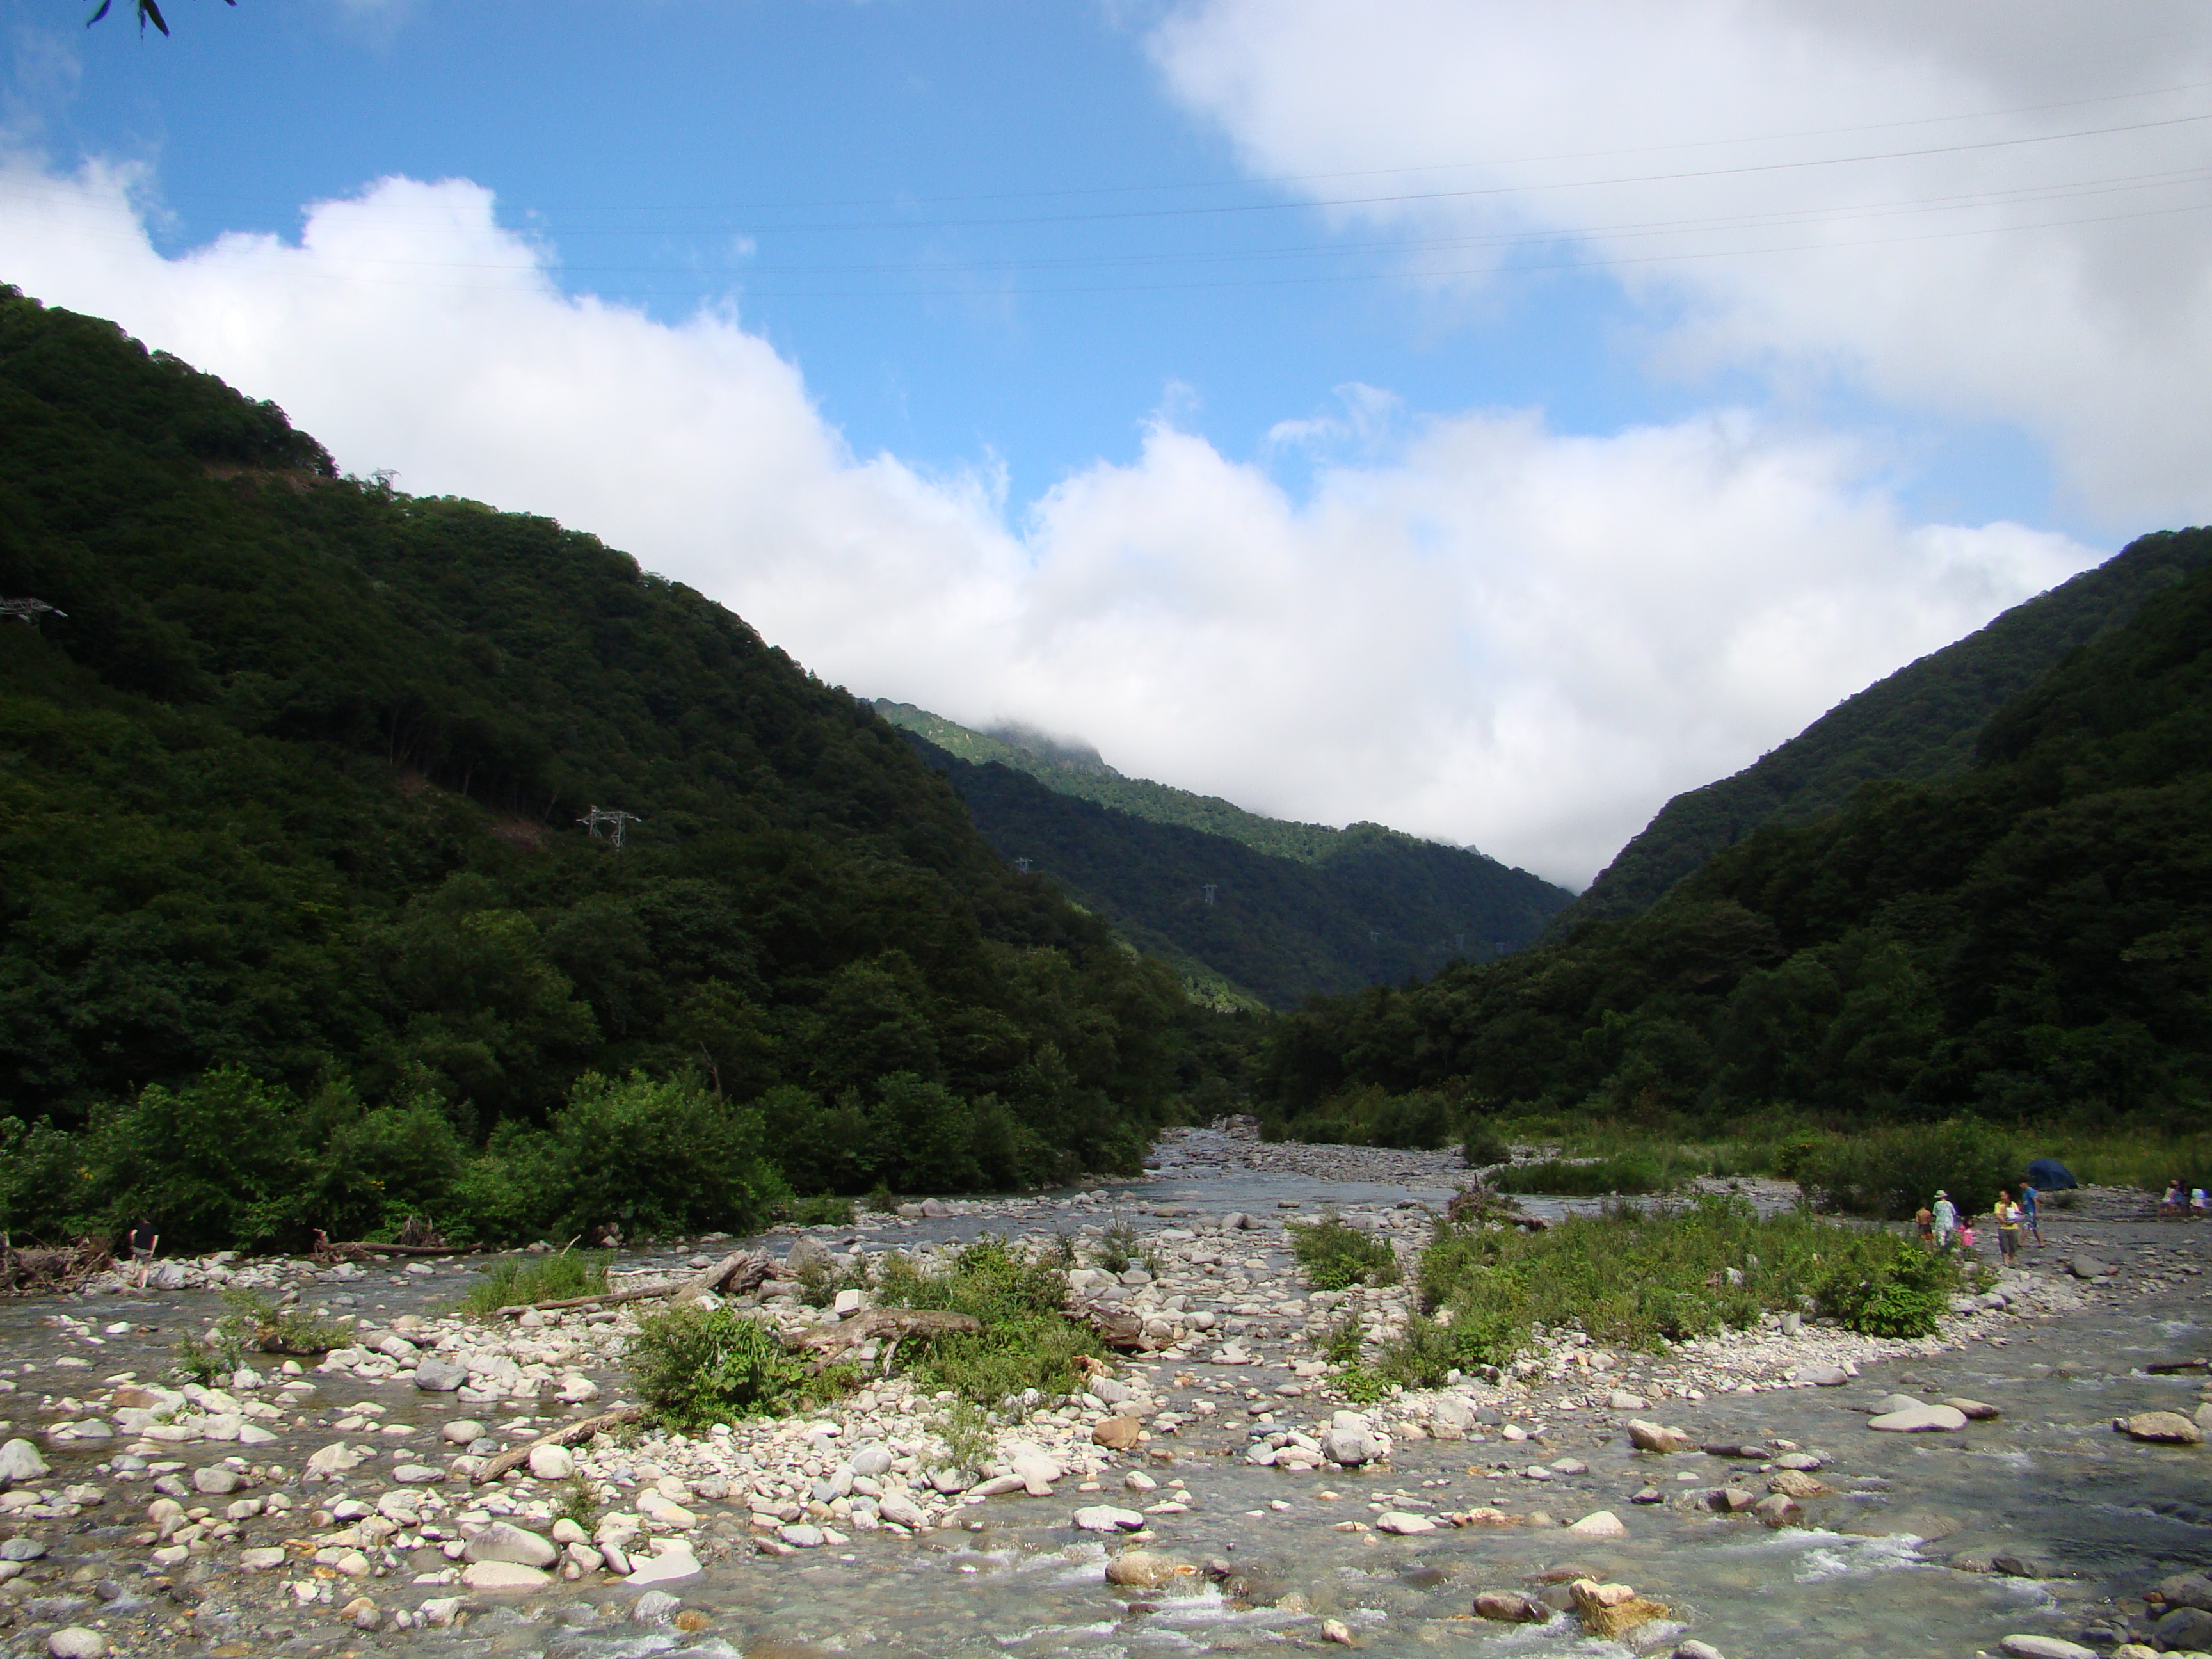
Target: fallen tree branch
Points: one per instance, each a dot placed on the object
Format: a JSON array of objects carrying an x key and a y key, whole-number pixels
[
  {"x": 830, "y": 1342},
  {"x": 44, "y": 1272},
  {"x": 566, "y": 1436},
  {"x": 327, "y": 1249},
  {"x": 739, "y": 1271}
]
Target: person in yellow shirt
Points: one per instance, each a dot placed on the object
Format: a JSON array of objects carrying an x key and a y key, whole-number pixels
[{"x": 2006, "y": 1215}]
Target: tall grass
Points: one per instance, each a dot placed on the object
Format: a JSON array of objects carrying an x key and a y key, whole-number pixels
[
  {"x": 1336, "y": 1256},
  {"x": 1026, "y": 1341},
  {"x": 512, "y": 1281},
  {"x": 1637, "y": 1279}
]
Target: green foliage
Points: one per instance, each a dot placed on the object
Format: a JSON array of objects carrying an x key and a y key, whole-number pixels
[
  {"x": 822, "y": 1210},
  {"x": 1026, "y": 1341},
  {"x": 1636, "y": 1173},
  {"x": 250, "y": 1325},
  {"x": 697, "y": 1366},
  {"x": 2029, "y": 942},
  {"x": 1335, "y": 1255},
  {"x": 289, "y": 814},
  {"x": 1354, "y": 907},
  {"x": 1921, "y": 723},
  {"x": 1892, "y": 1172},
  {"x": 965, "y": 1429},
  {"x": 1482, "y": 1144},
  {"x": 1639, "y": 1280},
  {"x": 515, "y": 1281}
]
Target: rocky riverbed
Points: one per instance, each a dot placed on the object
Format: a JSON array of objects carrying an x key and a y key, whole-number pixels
[{"x": 1214, "y": 1491}]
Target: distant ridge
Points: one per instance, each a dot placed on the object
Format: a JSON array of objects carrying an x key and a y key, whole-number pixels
[
  {"x": 1919, "y": 724},
  {"x": 1350, "y": 908}
]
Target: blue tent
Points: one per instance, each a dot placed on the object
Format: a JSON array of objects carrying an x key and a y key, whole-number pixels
[{"x": 2048, "y": 1175}]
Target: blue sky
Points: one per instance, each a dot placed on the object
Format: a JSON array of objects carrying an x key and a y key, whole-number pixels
[{"x": 1482, "y": 423}]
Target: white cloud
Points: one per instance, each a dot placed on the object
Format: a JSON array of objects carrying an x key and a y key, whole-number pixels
[
  {"x": 1715, "y": 155},
  {"x": 1481, "y": 630}
]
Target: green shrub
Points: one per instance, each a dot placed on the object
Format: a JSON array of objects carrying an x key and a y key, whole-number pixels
[
  {"x": 515, "y": 1281},
  {"x": 1892, "y": 1172},
  {"x": 250, "y": 1325},
  {"x": 654, "y": 1156},
  {"x": 1639, "y": 1280},
  {"x": 1632, "y": 1172},
  {"x": 215, "y": 1161},
  {"x": 1335, "y": 1256},
  {"x": 822, "y": 1210},
  {"x": 697, "y": 1366},
  {"x": 1026, "y": 1342},
  {"x": 46, "y": 1188},
  {"x": 1483, "y": 1145}
]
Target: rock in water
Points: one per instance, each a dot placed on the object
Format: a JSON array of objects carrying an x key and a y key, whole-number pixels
[
  {"x": 2185, "y": 1629},
  {"x": 1896, "y": 1403},
  {"x": 1973, "y": 1410},
  {"x": 1779, "y": 1510},
  {"x": 1658, "y": 1437},
  {"x": 503, "y": 1575},
  {"x": 76, "y": 1642},
  {"x": 1920, "y": 1419},
  {"x": 552, "y": 1463},
  {"x": 20, "y": 1461},
  {"x": 1104, "y": 1517},
  {"x": 1144, "y": 1569},
  {"x": 1510, "y": 1608},
  {"x": 1395, "y": 1521},
  {"x": 653, "y": 1608},
  {"x": 2045, "y": 1647},
  {"x": 1694, "y": 1651},
  {"x": 2162, "y": 1428},
  {"x": 436, "y": 1375},
  {"x": 1609, "y": 1612},
  {"x": 502, "y": 1541},
  {"x": 1601, "y": 1523},
  {"x": 1116, "y": 1433},
  {"x": 1795, "y": 1483}
]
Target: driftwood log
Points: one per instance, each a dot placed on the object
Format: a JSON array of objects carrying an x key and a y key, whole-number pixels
[
  {"x": 565, "y": 1435},
  {"x": 739, "y": 1271},
  {"x": 328, "y": 1250},
  {"x": 44, "y": 1272},
  {"x": 830, "y": 1343}
]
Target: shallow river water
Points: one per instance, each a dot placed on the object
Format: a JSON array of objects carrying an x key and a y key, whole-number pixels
[{"x": 2039, "y": 1521}]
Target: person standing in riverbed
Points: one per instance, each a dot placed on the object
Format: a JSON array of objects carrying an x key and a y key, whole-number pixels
[
  {"x": 1947, "y": 1220},
  {"x": 2006, "y": 1214},
  {"x": 2031, "y": 1218},
  {"x": 1924, "y": 1226}
]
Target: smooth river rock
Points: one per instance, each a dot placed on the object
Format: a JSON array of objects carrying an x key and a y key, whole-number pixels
[
  {"x": 2161, "y": 1428},
  {"x": 1920, "y": 1419}
]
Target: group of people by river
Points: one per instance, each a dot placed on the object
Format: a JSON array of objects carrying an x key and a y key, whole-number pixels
[{"x": 1940, "y": 1223}]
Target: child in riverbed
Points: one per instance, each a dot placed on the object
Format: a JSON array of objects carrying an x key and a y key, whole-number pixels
[{"x": 1924, "y": 1224}]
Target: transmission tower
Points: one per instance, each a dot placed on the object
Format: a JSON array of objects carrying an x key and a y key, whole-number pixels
[
  {"x": 1023, "y": 864},
  {"x": 28, "y": 610},
  {"x": 616, "y": 819},
  {"x": 1211, "y": 890}
]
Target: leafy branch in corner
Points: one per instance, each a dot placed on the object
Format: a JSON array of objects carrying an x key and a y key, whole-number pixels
[{"x": 148, "y": 13}]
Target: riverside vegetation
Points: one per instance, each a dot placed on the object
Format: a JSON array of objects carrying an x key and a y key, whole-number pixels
[{"x": 301, "y": 930}]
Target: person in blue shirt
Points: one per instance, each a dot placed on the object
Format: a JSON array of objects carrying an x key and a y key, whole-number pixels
[{"x": 2029, "y": 1217}]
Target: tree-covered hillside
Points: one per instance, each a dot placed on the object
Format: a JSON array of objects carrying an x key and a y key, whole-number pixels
[
  {"x": 2031, "y": 939},
  {"x": 1920, "y": 723},
  {"x": 1083, "y": 774},
  {"x": 1379, "y": 908},
  {"x": 292, "y": 788}
]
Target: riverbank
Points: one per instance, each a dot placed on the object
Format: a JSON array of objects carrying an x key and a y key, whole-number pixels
[{"x": 337, "y": 1506}]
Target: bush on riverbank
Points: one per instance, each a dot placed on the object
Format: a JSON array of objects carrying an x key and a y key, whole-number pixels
[
  {"x": 1634, "y": 1279},
  {"x": 697, "y": 1366},
  {"x": 1026, "y": 1342},
  {"x": 1635, "y": 1174},
  {"x": 1891, "y": 1173},
  {"x": 513, "y": 1282},
  {"x": 1335, "y": 1256}
]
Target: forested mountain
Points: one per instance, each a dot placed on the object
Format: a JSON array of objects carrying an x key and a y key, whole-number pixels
[
  {"x": 1373, "y": 907},
  {"x": 1082, "y": 772},
  {"x": 1920, "y": 723},
  {"x": 2031, "y": 938},
  {"x": 290, "y": 784}
]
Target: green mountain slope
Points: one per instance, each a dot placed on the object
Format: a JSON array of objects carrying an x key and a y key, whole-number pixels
[
  {"x": 1081, "y": 772},
  {"x": 2031, "y": 938},
  {"x": 1919, "y": 723},
  {"x": 293, "y": 788},
  {"x": 1377, "y": 907}
]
